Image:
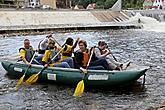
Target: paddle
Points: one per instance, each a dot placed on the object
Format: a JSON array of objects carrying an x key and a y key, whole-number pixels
[
  {"x": 22, "y": 78},
  {"x": 80, "y": 86},
  {"x": 57, "y": 43},
  {"x": 114, "y": 57},
  {"x": 111, "y": 53},
  {"x": 32, "y": 79}
]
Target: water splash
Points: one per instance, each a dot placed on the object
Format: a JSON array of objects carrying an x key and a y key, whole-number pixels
[{"x": 149, "y": 23}]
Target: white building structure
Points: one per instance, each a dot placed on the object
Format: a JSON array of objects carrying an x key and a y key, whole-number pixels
[
  {"x": 32, "y": 3},
  {"x": 159, "y": 4}
]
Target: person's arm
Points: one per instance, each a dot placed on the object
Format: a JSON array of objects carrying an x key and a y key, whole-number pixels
[
  {"x": 45, "y": 57},
  {"x": 75, "y": 44},
  {"x": 99, "y": 55},
  {"x": 22, "y": 56},
  {"x": 107, "y": 51},
  {"x": 43, "y": 44}
]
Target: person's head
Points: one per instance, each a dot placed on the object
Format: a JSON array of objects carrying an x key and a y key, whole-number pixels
[
  {"x": 49, "y": 36},
  {"x": 51, "y": 43},
  {"x": 82, "y": 45},
  {"x": 26, "y": 43},
  {"x": 102, "y": 45},
  {"x": 69, "y": 41}
]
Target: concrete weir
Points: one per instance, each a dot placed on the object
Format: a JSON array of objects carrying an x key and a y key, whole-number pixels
[
  {"x": 157, "y": 14},
  {"x": 66, "y": 20}
]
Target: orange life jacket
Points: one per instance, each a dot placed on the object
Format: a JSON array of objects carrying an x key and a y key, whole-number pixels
[{"x": 86, "y": 56}]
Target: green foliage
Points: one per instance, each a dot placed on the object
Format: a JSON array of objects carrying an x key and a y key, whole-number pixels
[
  {"x": 109, "y": 3},
  {"x": 100, "y": 4},
  {"x": 133, "y": 4},
  {"x": 106, "y": 4},
  {"x": 1, "y": 1}
]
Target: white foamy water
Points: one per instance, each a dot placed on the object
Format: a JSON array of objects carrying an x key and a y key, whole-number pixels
[
  {"x": 149, "y": 23},
  {"x": 157, "y": 27}
]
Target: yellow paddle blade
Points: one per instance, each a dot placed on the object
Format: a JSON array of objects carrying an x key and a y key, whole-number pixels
[
  {"x": 20, "y": 81},
  {"x": 32, "y": 79},
  {"x": 79, "y": 89}
]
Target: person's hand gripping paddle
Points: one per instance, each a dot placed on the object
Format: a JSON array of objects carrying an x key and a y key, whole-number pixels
[{"x": 80, "y": 86}]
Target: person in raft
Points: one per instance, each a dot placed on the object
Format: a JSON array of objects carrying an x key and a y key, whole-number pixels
[
  {"x": 51, "y": 52},
  {"x": 82, "y": 57},
  {"x": 27, "y": 52},
  {"x": 42, "y": 47},
  {"x": 69, "y": 48},
  {"x": 102, "y": 51}
]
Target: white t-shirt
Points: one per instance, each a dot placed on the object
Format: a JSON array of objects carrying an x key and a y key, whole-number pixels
[{"x": 43, "y": 44}]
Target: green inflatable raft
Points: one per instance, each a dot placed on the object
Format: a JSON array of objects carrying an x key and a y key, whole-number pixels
[{"x": 69, "y": 76}]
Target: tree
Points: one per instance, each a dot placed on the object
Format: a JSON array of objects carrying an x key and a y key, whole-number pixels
[
  {"x": 106, "y": 4},
  {"x": 100, "y": 4},
  {"x": 109, "y": 3},
  {"x": 1, "y": 1},
  {"x": 133, "y": 4}
]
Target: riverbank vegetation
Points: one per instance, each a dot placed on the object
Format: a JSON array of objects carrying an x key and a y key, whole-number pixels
[
  {"x": 137, "y": 4},
  {"x": 1, "y": 1},
  {"x": 106, "y": 4}
]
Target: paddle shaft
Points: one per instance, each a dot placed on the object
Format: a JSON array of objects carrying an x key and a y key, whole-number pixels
[
  {"x": 90, "y": 58},
  {"x": 34, "y": 77},
  {"x": 56, "y": 55},
  {"x": 30, "y": 63},
  {"x": 22, "y": 78},
  {"x": 57, "y": 43},
  {"x": 112, "y": 55},
  {"x": 51, "y": 60},
  {"x": 89, "y": 61}
]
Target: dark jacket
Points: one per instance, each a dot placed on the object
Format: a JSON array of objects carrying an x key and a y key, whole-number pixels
[{"x": 78, "y": 58}]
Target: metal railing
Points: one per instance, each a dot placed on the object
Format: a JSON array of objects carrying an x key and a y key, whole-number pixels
[{"x": 8, "y": 6}]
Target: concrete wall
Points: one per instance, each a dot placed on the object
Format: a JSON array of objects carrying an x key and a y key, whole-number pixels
[
  {"x": 157, "y": 14},
  {"x": 26, "y": 20},
  {"x": 22, "y": 18}
]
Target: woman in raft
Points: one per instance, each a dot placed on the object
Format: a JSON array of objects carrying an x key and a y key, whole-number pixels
[{"x": 57, "y": 62}]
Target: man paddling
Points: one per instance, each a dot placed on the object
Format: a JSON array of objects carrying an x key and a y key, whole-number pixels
[{"x": 27, "y": 52}]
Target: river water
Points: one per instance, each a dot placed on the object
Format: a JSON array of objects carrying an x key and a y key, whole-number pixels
[{"x": 139, "y": 46}]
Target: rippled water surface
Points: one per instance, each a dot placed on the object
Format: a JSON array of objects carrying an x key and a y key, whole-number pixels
[{"x": 139, "y": 46}]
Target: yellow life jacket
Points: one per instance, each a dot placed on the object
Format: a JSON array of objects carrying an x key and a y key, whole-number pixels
[
  {"x": 49, "y": 54},
  {"x": 67, "y": 52},
  {"x": 28, "y": 53}
]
